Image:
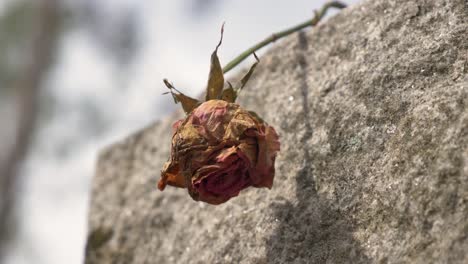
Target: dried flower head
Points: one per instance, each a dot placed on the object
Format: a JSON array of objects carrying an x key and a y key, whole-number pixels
[{"x": 219, "y": 149}]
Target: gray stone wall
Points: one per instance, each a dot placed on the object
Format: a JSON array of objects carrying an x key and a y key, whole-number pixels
[{"x": 371, "y": 109}]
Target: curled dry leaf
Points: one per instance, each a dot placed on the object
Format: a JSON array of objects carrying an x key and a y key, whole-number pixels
[
  {"x": 216, "y": 77},
  {"x": 188, "y": 103},
  {"x": 219, "y": 148}
]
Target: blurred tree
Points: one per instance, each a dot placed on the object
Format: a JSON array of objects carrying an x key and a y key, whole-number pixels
[
  {"x": 28, "y": 37},
  {"x": 115, "y": 30},
  {"x": 15, "y": 33}
]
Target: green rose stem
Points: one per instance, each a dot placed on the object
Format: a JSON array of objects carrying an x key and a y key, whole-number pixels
[{"x": 275, "y": 36}]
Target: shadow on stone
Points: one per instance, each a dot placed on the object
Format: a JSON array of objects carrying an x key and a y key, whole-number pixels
[{"x": 311, "y": 231}]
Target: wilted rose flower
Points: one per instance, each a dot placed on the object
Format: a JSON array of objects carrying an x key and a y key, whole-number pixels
[{"x": 219, "y": 150}]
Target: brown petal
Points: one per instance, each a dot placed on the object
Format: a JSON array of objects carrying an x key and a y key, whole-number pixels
[
  {"x": 172, "y": 176},
  {"x": 240, "y": 123},
  {"x": 213, "y": 117},
  {"x": 248, "y": 147},
  {"x": 224, "y": 155},
  {"x": 176, "y": 125},
  {"x": 268, "y": 146},
  {"x": 219, "y": 182}
]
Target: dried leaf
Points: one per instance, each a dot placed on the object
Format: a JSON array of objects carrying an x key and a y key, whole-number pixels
[
  {"x": 216, "y": 77},
  {"x": 188, "y": 103},
  {"x": 229, "y": 94},
  {"x": 246, "y": 78}
]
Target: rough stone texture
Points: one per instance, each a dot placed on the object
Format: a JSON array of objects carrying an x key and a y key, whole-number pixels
[{"x": 371, "y": 108}]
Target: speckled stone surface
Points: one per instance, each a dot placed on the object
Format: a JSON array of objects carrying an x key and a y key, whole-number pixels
[{"x": 371, "y": 109}]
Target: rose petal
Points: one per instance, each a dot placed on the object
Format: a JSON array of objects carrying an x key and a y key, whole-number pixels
[
  {"x": 268, "y": 146},
  {"x": 221, "y": 184},
  {"x": 248, "y": 149},
  {"x": 171, "y": 175},
  {"x": 213, "y": 116},
  {"x": 176, "y": 125},
  {"x": 240, "y": 122},
  {"x": 225, "y": 156},
  {"x": 219, "y": 150}
]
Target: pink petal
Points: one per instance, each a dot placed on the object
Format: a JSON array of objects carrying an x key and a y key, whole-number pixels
[{"x": 268, "y": 146}]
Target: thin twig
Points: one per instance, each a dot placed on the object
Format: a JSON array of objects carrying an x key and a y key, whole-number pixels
[{"x": 311, "y": 22}]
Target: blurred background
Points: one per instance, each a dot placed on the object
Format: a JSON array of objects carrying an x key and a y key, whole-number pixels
[{"x": 77, "y": 75}]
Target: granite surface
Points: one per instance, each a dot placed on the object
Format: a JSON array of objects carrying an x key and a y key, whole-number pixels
[{"x": 371, "y": 109}]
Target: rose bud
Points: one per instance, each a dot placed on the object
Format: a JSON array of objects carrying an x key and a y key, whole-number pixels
[{"x": 219, "y": 149}]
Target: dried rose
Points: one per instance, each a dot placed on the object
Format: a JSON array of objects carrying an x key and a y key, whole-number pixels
[{"x": 219, "y": 149}]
